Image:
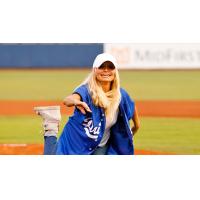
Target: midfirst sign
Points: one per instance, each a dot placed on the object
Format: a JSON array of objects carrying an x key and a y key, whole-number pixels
[{"x": 155, "y": 56}]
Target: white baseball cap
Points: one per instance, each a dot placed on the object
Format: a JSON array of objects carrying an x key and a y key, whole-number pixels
[{"x": 101, "y": 58}]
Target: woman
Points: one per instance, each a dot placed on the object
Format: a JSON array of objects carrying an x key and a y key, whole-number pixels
[{"x": 100, "y": 123}]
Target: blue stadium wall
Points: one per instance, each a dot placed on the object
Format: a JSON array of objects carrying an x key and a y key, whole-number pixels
[{"x": 49, "y": 55}]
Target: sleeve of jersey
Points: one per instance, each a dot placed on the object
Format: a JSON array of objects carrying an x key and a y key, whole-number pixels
[
  {"x": 129, "y": 105},
  {"x": 82, "y": 91}
]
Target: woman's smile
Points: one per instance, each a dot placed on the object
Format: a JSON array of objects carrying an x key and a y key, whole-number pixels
[{"x": 105, "y": 75}]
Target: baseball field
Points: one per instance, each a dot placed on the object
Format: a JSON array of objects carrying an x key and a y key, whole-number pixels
[{"x": 168, "y": 104}]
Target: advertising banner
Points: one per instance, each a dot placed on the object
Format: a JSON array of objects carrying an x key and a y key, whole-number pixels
[{"x": 156, "y": 56}]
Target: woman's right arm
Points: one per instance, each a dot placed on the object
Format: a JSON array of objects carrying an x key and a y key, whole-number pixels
[{"x": 75, "y": 100}]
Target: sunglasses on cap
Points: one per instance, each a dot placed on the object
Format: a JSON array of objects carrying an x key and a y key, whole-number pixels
[{"x": 107, "y": 64}]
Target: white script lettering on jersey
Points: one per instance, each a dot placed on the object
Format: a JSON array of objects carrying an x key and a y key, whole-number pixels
[{"x": 90, "y": 130}]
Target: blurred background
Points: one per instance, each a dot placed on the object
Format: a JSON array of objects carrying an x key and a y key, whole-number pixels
[{"x": 162, "y": 78}]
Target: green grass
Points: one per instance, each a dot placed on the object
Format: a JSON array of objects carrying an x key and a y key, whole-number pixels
[
  {"x": 142, "y": 85},
  {"x": 176, "y": 135},
  {"x": 38, "y": 85},
  {"x": 162, "y": 85}
]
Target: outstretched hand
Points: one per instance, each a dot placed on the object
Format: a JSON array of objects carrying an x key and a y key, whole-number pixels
[{"x": 82, "y": 106}]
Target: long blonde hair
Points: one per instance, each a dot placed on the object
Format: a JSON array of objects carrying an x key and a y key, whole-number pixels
[{"x": 110, "y": 100}]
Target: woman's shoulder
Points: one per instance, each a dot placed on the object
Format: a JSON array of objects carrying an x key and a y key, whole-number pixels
[
  {"x": 123, "y": 91},
  {"x": 127, "y": 103},
  {"x": 81, "y": 88},
  {"x": 125, "y": 95},
  {"x": 83, "y": 91}
]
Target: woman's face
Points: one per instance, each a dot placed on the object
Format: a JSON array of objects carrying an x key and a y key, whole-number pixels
[{"x": 106, "y": 72}]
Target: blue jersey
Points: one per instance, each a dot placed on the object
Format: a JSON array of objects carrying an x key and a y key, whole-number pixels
[{"x": 83, "y": 133}]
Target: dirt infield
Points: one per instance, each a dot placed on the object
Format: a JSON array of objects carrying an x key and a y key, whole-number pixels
[
  {"x": 145, "y": 108},
  {"x": 37, "y": 149}
]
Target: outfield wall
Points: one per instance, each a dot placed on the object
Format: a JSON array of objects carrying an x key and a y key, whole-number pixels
[
  {"x": 48, "y": 55},
  {"x": 81, "y": 55}
]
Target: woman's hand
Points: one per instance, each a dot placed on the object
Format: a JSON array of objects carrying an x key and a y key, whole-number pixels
[
  {"x": 136, "y": 122},
  {"x": 134, "y": 130},
  {"x": 75, "y": 100},
  {"x": 82, "y": 106}
]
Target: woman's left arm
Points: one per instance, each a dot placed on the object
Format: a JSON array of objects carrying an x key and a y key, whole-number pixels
[{"x": 136, "y": 122}]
